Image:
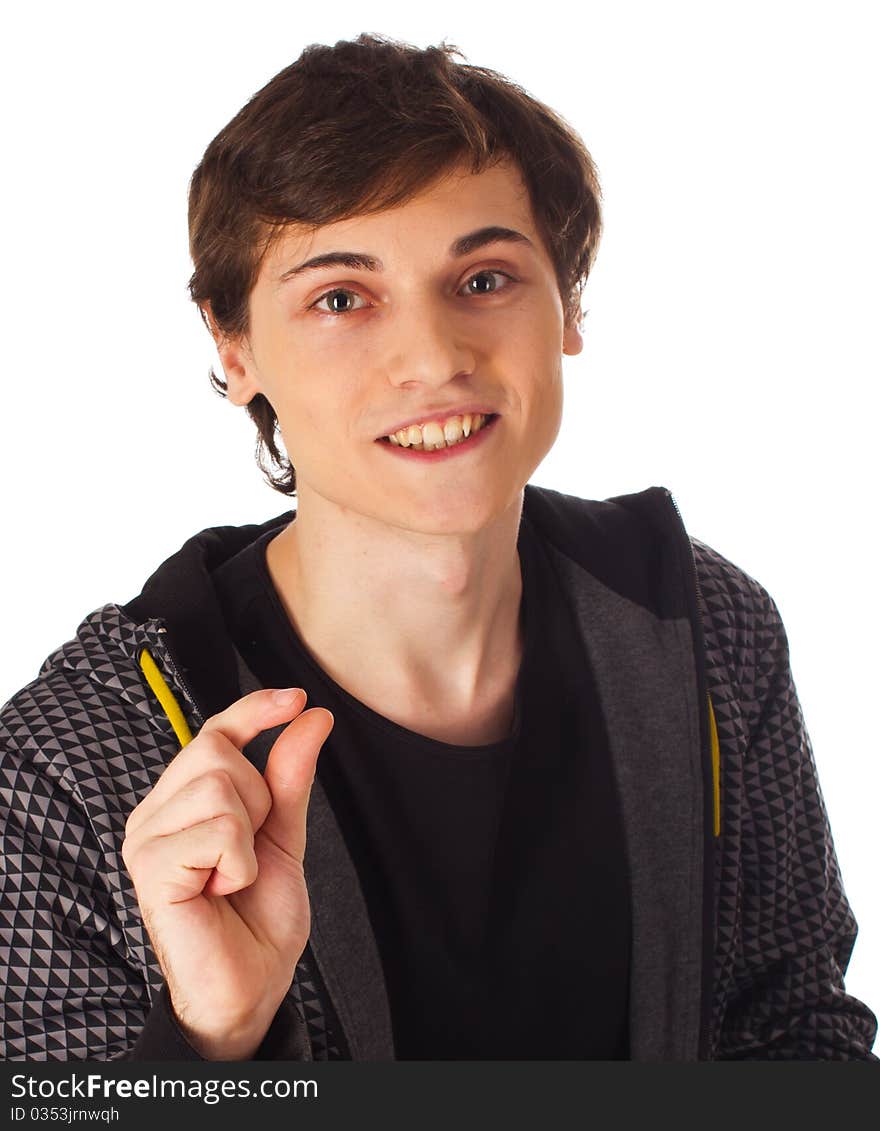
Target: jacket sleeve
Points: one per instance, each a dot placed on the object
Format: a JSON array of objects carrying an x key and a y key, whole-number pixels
[
  {"x": 162, "y": 1039},
  {"x": 796, "y": 930},
  {"x": 69, "y": 991},
  {"x": 75, "y": 985}
]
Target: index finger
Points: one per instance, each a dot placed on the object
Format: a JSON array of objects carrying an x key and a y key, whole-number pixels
[
  {"x": 255, "y": 712},
  {"x": 233, "y": 728}
]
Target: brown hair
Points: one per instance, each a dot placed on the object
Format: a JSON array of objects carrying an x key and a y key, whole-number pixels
[{"x": 357, "y": 128}]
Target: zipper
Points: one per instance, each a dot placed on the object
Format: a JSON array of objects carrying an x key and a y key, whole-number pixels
[
  {"x": 172, "y": 664},
  {"x": 709, "y": 840},
  {"x": 690, "y": 548}
]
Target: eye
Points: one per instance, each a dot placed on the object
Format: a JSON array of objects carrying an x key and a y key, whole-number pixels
[
  {"x": 341, "y": 301},
  {"x": 487, "y": 282}
]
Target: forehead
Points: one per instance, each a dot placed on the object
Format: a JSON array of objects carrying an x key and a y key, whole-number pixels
[{"x": 458, "y": 201}]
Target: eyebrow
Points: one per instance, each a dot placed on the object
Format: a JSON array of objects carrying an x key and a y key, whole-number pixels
[{"x": 355, "y": 260}]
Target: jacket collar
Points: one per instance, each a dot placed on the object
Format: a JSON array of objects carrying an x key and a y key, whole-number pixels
[{"x": 180, "y": 594}]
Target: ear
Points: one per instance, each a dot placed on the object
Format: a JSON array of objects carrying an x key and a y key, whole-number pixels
[
  {"x": 236, "y": 359},
  {"x": 572, "y": 339}
]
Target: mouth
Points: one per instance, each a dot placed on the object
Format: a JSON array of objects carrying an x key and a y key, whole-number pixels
[
  {"x": 435, "y": 443},
  {"x": 439, "y": 432}
]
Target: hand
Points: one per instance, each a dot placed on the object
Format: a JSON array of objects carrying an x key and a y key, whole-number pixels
[{"x": 215, "y": 851}]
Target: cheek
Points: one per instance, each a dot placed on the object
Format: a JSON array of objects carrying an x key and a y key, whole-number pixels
[
  {"x": 301, "y": 424},
  {"x": 533, "y": 332},
  {"x": 550, "y": 398}
]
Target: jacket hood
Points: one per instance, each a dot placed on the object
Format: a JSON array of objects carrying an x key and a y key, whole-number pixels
[{"x": 180, "y": 593}]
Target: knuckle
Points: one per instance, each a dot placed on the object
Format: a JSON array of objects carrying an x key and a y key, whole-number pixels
[
  {"x": 130, "y": 823},
  {"x": 248, "y": 869},
  {"x": 230, "y": 827},
  {"x": 215, "y": 785},
  {"x": 138, "y": 859},
  {"x": 212, "y": 748},
  {"x": 264, "y": 804}
]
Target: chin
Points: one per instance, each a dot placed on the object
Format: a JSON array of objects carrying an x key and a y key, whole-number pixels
[{"x": 460, "y": 516}]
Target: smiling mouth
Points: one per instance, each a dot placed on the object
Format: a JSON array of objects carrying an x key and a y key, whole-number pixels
[{"x": 435, "y": 436}]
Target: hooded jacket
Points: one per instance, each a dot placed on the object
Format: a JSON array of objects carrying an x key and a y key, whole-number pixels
[{"x": 741, "y": 928}]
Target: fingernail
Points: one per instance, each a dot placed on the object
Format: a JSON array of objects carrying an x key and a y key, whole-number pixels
[{"x": 288, "y": 696}]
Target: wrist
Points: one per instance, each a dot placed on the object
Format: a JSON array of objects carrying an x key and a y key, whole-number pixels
[{"x": 222, "y": 1040}]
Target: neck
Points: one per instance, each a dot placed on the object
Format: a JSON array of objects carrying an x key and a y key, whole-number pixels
[{"x": 400, "y": 617}]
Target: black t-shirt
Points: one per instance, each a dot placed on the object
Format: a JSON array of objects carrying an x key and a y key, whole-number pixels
[{"x": 494, "y": 876}]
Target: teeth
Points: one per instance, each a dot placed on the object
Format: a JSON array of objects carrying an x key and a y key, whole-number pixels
[
  {"x": 452, "y": 430},
  {"x": 428, "y": 437},
  {"x": 432, "y": 435}
]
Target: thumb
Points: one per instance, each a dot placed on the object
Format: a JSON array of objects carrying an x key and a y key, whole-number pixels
[{"x": 289, "y": 773}]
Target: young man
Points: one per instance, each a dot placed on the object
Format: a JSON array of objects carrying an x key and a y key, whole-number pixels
[{"x": 552, "y": 797}]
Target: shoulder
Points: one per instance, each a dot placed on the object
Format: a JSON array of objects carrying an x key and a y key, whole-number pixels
[
  {"x": 727, "y": 588},
  {"x": 742, "y": 625},
  {"x": 629, "y": 543},
  {"x": 637, "y": 546},
  {"x": 91, "y": 693},
  {"x": 86, "y": 727}
]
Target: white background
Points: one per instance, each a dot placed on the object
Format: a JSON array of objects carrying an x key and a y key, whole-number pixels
[{"x": 731, "y": 347}]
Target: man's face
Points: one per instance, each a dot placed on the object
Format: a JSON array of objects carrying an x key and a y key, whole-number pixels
[{"x": 412, "y": 315}]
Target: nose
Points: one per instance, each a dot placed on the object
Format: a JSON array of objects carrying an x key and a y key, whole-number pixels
[{"x": 426, "y": 344}]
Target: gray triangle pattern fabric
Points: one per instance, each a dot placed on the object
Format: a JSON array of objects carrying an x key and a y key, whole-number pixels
[
  {"x": 310, "y": 997},
  {"x": 784, "y": 928},
  {"x": 82, "y": 745},
  {"x": 85, "y": 741},
  {"x": 71, "y": 940}
]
